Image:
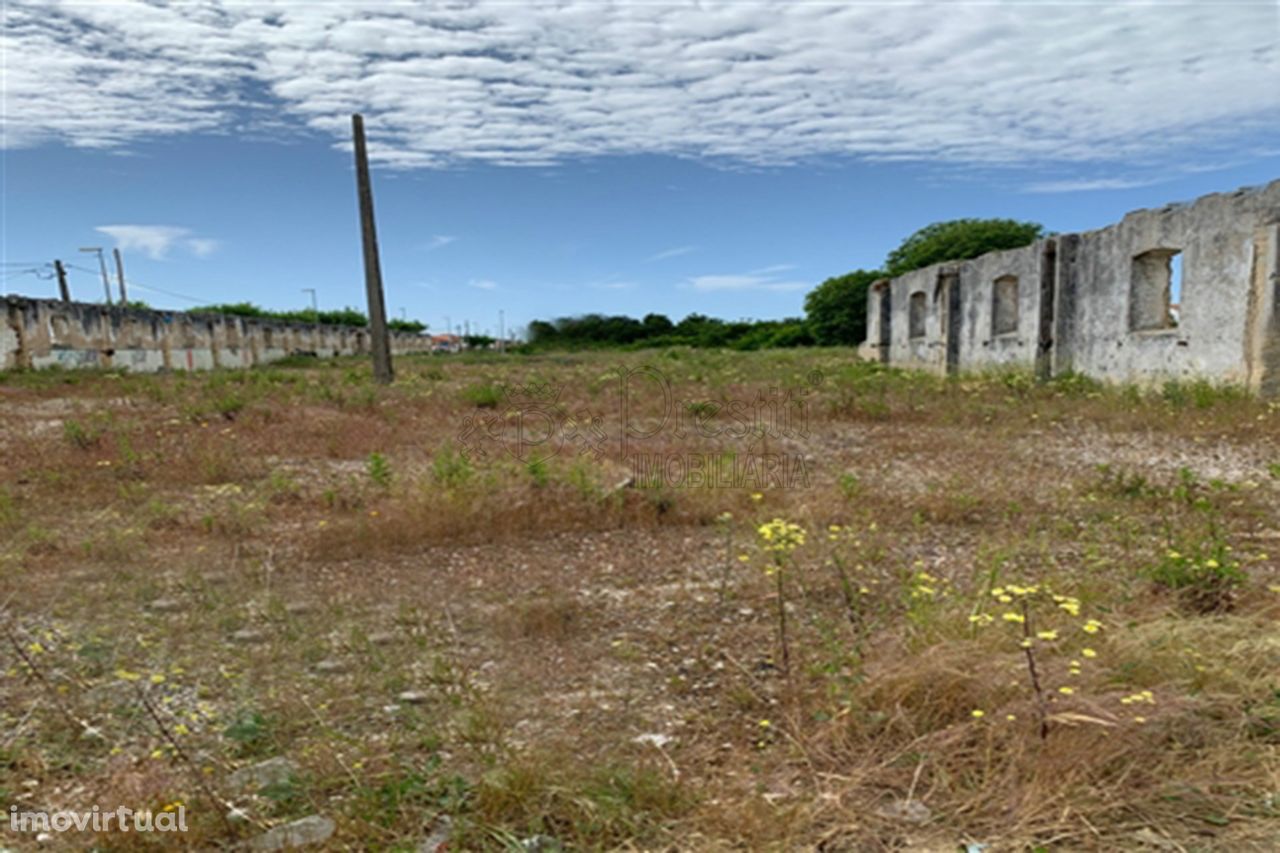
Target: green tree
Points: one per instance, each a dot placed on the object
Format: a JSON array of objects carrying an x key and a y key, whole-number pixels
[
  {"x": 837, "y": 309},
  {"x": 412, "y": 326},
  {"x": 657, "y": 324},
  {"x": 958, "y": 240}
]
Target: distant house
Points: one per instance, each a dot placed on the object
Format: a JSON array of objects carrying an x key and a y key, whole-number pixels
[{"x": 447, "y": 343}]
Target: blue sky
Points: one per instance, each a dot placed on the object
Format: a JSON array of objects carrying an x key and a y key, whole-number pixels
[{"x": 717, "y": 158}]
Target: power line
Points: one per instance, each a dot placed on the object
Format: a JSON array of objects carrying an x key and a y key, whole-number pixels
[
  {"x": 8, "y": 274},
  {"x": 191, "y": 299},
  {"x": 141, "y": 286}
]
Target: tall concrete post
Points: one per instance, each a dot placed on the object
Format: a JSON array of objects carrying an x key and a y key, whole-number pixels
[
  {"x": 124, "y": 297},
  {"x": 63, "y": 290},
  {"x": 379, "y": 339}
]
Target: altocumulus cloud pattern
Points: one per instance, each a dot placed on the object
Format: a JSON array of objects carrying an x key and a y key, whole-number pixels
[{"x": 745, "y": 82}]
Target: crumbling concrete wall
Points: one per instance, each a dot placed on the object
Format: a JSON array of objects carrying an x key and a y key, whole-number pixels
[
  {"x": 38, "y": 333},
  {"x": 1107, "y": 303},
  {"x": 1214, "y": 237},
  {"x": 984, "y": 283}
]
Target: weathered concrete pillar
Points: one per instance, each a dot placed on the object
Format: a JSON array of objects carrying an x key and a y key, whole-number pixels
[
  {"x": 11, "y": 350},
  {"x": 1262, "y": 329},
  {"x": 1064, "y": 305},
  {"x": 1046, "y": 305}
]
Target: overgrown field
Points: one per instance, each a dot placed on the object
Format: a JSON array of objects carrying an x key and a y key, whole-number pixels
[{"x": 983, "y": 612}]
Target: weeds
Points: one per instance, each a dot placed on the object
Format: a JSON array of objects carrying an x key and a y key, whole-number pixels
[
  {"x": 541, "y": 652},
  {"x": 450, "y": 468},
  {"x": 1202, "y": 572},
  {"x": 483, "y": 396},
  {"x": 779, "y": 539},
  {"x": 379, "y": 470},
  {"x": 81, "y": 436}
]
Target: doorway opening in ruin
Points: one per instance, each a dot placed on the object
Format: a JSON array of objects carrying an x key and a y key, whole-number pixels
[
  {"x": 1048, "y": 296},
  {"x": 950, "y": 284}
]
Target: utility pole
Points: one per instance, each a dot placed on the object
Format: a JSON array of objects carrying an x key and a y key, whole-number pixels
[
  {"x": 502, "y": 332},
  {"x": 102, "y": 263},
  {"x": 63, "y": 290},
  {"x": 382, "y": 370},
  {"x": 124, "y": 297},
  {"x": 315, "y": 317}
]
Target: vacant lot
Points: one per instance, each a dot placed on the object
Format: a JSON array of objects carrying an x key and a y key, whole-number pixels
[{"x": 976, "y": 611}]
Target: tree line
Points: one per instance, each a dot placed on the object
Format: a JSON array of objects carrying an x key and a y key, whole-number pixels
[{"x": 343, "y": 317}]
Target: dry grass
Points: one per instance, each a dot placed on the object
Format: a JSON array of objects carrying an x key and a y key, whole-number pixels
[{"x": 276, "y": 556}]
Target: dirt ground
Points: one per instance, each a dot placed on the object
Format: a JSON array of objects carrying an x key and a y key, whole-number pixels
[{"x": 455, "y": 614}]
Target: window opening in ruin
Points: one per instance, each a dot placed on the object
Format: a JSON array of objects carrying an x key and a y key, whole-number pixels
[
  {"x": 1004, "y": 305},
  {"x": 1155, "y": 290},
  {"x": 916, "y": 313}
]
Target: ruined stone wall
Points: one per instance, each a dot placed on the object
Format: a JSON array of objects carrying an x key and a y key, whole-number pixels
[
  {"x": 38, "y": 333},
  {"x": 1215, "y": 239},
  {"x": 1184, "y": 291}
]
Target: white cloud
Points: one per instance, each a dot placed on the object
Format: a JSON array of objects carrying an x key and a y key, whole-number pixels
[
  {"x": 155, "y": 241},
  {"x": 745, "y": 281},
  {"x": 1076, "y": 185},
  {"x": 758, "y": 83},
  {"x": 675, "y": 252},
  {"x": 482, "y": 284},
  {"x": 202, "y": 247},
  {"x": 439, "y": 241}
]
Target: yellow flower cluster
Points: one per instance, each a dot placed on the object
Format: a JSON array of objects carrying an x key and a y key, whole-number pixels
[
  {"x": 925, "y": 585},
  {"x": 1068, "y": 603},
  {"x": 1006, "y": 594},
  {"x": 1143, "y": 696},
  {"x": 781, "y": 536},
  {"x": 1011, "y": 593}
]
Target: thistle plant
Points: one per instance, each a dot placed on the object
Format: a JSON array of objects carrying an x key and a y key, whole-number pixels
[
  {"x": 849, "y": 591},
  {"x": 779, "y": 539}
]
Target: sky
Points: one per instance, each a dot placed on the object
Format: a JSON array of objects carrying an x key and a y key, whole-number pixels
[{"x": 551, "y": 159}]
